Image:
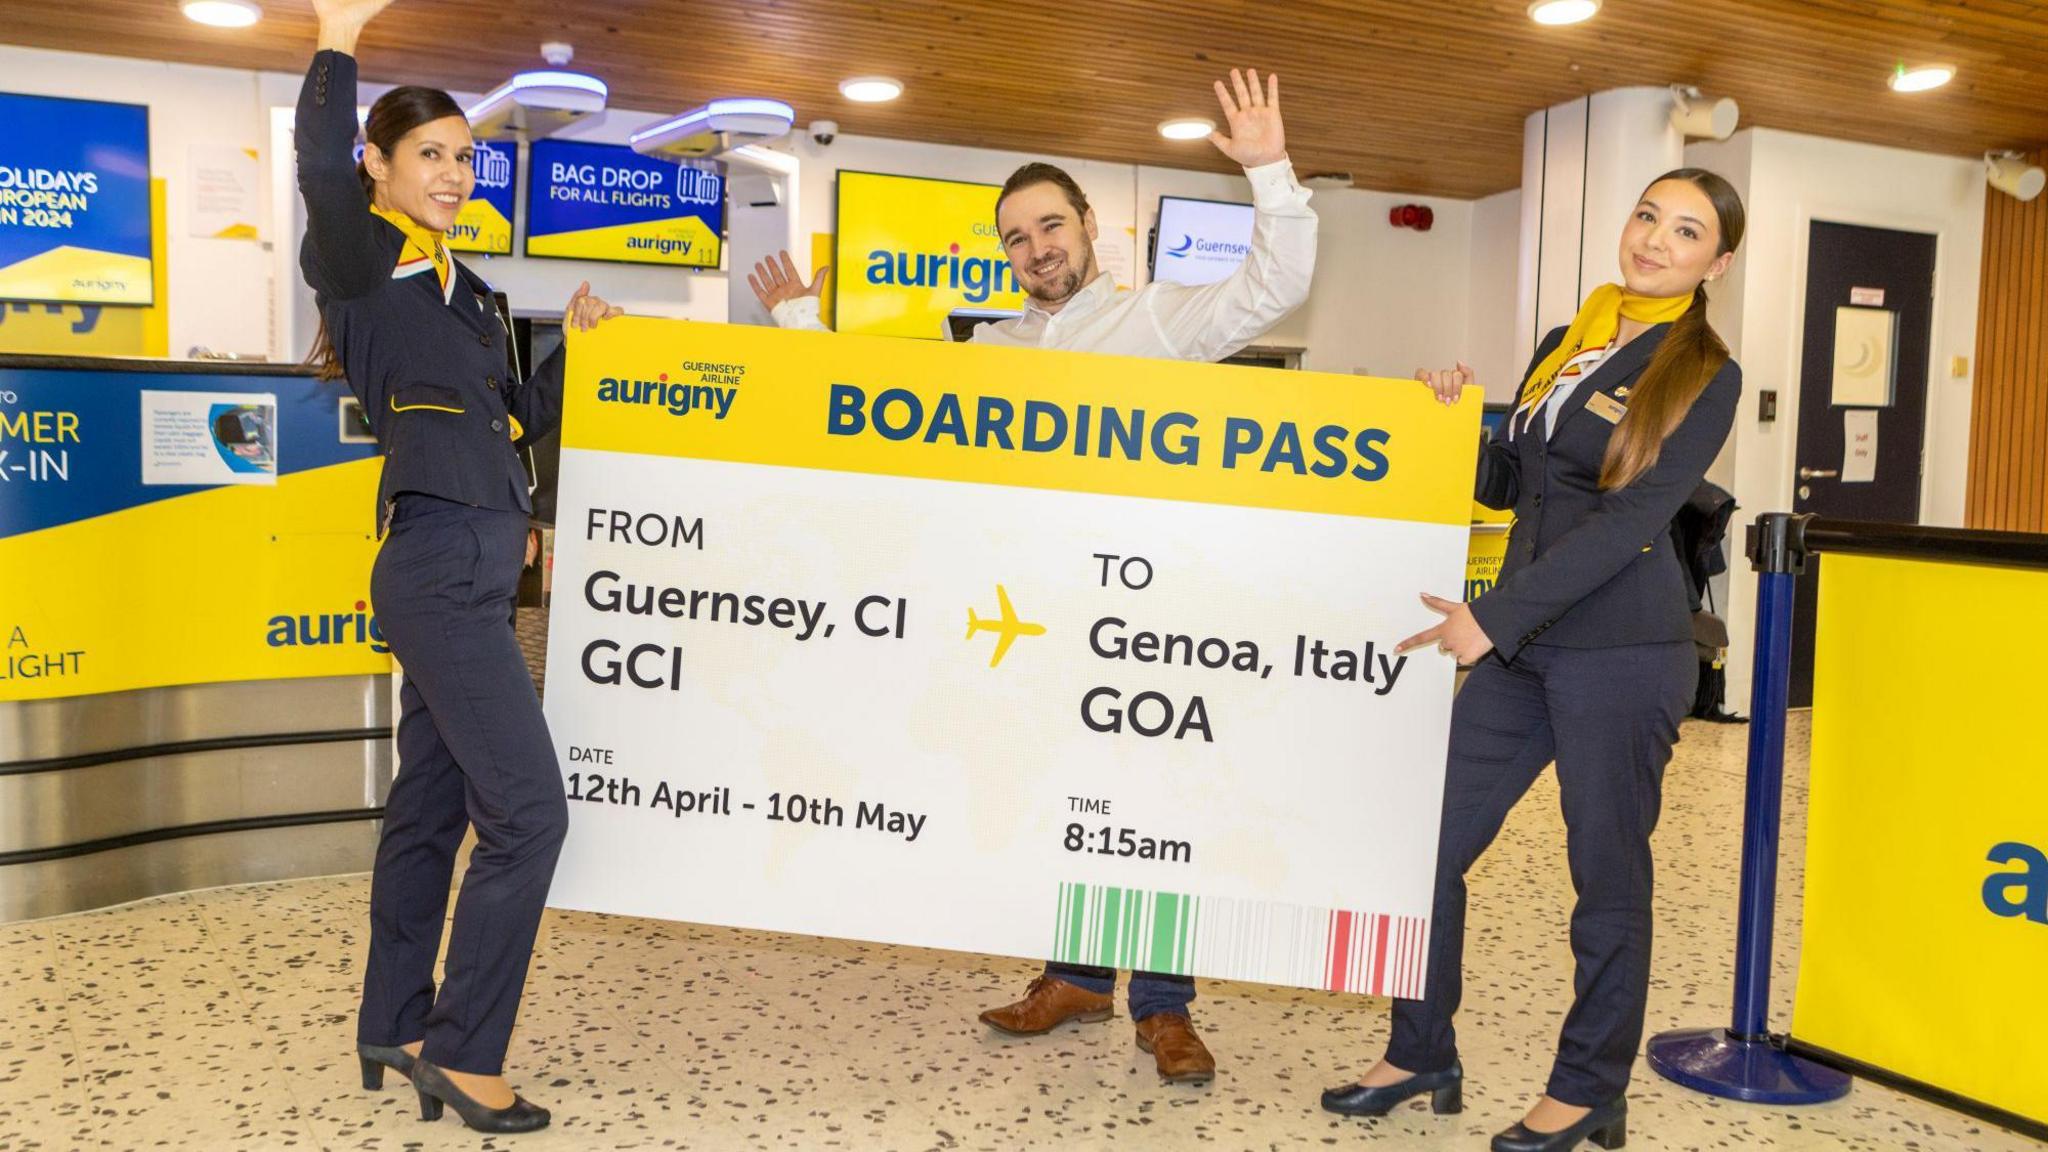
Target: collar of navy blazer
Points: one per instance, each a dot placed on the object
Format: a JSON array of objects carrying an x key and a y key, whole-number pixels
[{"x": 1613, "y": 372}]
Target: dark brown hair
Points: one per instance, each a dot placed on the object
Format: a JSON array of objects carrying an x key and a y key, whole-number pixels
[
  {"x": 1683, "y": 364},
  {"x": 395, "y": 114},
  {"x": 1038, "y": 173}
]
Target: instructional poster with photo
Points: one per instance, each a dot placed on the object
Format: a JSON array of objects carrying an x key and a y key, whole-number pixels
[{"x": 209, "y": 438}]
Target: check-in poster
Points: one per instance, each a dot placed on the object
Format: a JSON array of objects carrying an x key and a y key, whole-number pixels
[
  {"x": 608, "y": 202},
  {"x": 485, "y": 224},
  {"x": 74, "y": 201}
]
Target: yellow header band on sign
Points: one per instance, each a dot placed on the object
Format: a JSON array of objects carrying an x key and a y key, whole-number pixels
[{"x": 1064, "y": 421}]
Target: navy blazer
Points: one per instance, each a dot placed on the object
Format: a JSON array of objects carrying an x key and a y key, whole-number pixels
[
  {"x": 1587, "y": 568},
  {"x": 430, "y": 370}
]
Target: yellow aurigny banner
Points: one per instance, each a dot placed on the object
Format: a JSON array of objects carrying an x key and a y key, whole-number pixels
[{"x": 1018, "y": 652}]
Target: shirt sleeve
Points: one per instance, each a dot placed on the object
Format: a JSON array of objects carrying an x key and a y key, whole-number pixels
[
  {"x": 799, "y": 312},
  {"x": 1597, "y": 548},
  {"x": 347, "y": 252},
  {"x": 537, "y": 404},
  {"x": 1208, "y": 322}
]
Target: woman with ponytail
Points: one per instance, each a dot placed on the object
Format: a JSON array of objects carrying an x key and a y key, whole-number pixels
[
  {"x": 1582, "y": 651},
  {"x": 423, "y": 346}
]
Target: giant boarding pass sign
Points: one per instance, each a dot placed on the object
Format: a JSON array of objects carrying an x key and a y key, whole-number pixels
[{"x": 1028, "y": 653}]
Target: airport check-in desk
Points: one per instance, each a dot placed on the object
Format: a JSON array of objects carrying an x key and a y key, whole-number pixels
[{"x": 192, "y": 691}]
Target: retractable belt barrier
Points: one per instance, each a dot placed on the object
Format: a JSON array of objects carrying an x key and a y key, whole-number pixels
[{"x": 1925, "y": 925}]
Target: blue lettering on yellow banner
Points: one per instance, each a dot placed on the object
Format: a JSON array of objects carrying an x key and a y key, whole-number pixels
[{"x": 2022, "y": 893}]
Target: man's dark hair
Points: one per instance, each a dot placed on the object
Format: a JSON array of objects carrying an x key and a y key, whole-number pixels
[{"x": 1038, "y": 173}]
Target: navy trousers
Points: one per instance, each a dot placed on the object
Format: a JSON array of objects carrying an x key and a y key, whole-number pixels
[
  {"x": 1151, "y": 992},
  {"x": 472, "y": 749},
  {"x": 1609, "y": 717}
]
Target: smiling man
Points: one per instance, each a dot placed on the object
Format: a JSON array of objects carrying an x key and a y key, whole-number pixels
[{"x": 1048, "y": 231}]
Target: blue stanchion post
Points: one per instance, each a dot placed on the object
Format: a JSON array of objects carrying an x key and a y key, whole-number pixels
[{"x": 1744, "y": 1061}]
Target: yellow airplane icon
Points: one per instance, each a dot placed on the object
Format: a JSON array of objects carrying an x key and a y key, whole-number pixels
[{"x": 1006, "y": 629}]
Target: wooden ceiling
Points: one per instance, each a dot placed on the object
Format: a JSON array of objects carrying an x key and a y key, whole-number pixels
[{"x": 1422, "y": 97}]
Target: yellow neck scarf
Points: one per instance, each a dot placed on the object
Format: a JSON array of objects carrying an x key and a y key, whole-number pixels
[
  {"x": 421, "y": 244},
  {"x": 1595, "y": 326}
]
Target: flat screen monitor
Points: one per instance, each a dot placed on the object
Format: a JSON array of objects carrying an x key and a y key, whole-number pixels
[
  {"x": 485, "y": 224},
  {"x": 1200, "y": 241},
  {"x": 75, "y": 219},
  {"x": 912, "y": 251},
  {"x": 607, "y": 202}
]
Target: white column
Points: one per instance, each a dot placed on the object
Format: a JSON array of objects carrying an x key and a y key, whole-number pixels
[
  {"x": 761, "y": 222},
  {"x": 1584, "y": 165}
]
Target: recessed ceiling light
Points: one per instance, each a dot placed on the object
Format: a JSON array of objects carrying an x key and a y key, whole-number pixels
[
  {"x": 223, "y": 13},
  {"x": 871, "y": 89},
  {"x": 1920, "y": 79},
  {"x": 1563, "y": 11},
  {"x": 1187, "y": 128}
]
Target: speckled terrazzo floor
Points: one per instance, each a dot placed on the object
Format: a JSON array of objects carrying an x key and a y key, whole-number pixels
[{"x": 223, "y": 1019}]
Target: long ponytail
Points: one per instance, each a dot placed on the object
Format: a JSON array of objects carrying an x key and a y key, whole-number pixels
[
  {"x": 395, "y": 114},
  {"x": 1682, "y": 366}
]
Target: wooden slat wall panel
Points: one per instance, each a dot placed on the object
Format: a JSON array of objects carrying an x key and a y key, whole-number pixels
[
  {"x": 2009, "y": 417},
  {"x": 1413, "y": 96}
]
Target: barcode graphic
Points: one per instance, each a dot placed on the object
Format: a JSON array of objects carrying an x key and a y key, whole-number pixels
[{"x": 1256, "y": 940}]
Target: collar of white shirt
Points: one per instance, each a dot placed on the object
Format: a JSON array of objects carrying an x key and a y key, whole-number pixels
[{"x": 1095, "y": 295}]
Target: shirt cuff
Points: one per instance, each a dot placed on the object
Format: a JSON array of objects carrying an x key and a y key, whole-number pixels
[
  {"x": 1274, "y": 187},
  {"x": 797, "y": 312}
]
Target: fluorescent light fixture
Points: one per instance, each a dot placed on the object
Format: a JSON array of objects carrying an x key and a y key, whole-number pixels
[
  {"x": 1933, "y": 76},
  {"x": 716, "y": 128},
  {"x": 1557, "y": 12},
  {"x": 541, "y": 99},
  {"x": 1187, "y": 128},
  {"x": 223, "y": 13},
  {"x": 2010, "y": 173},
  {"x": 871, "y": 89}
]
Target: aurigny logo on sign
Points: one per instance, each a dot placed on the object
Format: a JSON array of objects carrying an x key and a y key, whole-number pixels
[
  {"x": 677, "y": 397},
  {"x": 1181, "y": 249},
  {"x": 309, "y": 631},
  {"x": 2018, "y": 894},
  {"x": 975, "y": 277}
]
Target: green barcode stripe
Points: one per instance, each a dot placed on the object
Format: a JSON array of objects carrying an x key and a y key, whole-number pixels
[{"x": 1125, "y": 928}]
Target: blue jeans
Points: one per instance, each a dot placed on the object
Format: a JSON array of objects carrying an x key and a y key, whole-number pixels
[{"x": 1151, "y": 992}]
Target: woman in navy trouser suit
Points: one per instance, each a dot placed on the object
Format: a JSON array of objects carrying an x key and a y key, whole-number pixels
[
  {"x": 1583, "y": 651},
  {"x": 423, "y": 346}
]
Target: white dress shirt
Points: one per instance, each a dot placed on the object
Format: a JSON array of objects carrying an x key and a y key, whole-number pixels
[{"x": 1204, "y": 322}]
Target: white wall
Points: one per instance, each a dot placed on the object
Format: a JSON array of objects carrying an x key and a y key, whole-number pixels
[
  {"x": 1491, "y": 338},
  {"x": 1788, "y": 181}
]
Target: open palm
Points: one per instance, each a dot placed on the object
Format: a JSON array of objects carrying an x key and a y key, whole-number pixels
[{"x": 1256, "y": 134}]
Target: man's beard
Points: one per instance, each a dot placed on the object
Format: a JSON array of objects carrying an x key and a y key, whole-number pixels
[{"x": 1061, "y": 288}]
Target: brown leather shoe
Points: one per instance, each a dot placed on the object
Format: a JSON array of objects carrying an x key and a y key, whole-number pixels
[
  {"x": 1181, "y": 1055},
  {"x": 1047, "y": 1004}
]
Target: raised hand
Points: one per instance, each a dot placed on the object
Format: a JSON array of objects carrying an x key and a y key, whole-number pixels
[
  {"x": 586, "y": 311},
  {"x": 341, "y": 21},
  {"x": 776, "y": 281},
  {"x": 1256, "y": 134}
]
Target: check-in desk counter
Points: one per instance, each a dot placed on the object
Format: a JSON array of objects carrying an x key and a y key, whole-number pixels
[{"x": 193, "y": 689}]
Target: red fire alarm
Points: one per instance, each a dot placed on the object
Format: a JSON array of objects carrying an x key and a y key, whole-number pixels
[{"x": 1416, "y": 216}]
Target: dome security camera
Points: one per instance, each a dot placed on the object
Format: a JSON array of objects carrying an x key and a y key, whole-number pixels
[{"x": 823, "y": 131}]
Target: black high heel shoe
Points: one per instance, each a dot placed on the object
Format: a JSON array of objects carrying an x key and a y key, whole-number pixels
[
  {"x": 1606, "y": 1126},
  {"x": 376, "y": 1058},
  {"x": 1446, "y": 1094},
  {"x": 436, "y": 1089}
]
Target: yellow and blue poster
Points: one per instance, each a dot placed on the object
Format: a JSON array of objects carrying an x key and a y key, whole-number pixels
[
  {"x": 1926, "y": 908},
  {"x": 485, "y": 224},
  {"x": 911, "y": 251},
  {"x": 608, "y": 202},
  {"x": 260, "y": 570},
  {"x": 74, "y": 201}
]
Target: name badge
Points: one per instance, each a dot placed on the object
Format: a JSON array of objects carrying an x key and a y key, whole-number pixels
[{"x": 1606, "y": 407}]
